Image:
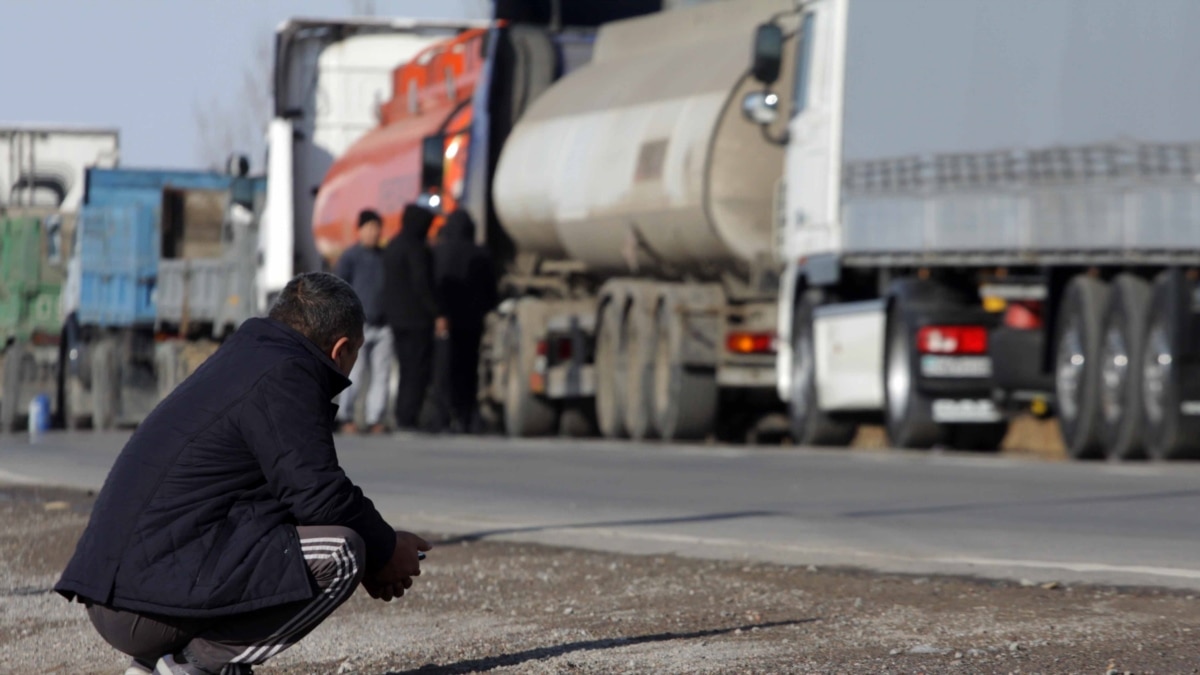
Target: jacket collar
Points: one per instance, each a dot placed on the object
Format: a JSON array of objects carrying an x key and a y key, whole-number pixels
[{"x": 337, "y": 382}]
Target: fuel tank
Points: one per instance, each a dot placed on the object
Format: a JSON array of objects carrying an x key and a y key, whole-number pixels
[{"x": 642, "y": 160}]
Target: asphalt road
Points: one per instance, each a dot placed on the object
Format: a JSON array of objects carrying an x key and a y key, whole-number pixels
[{"x": 892, "y": 511}]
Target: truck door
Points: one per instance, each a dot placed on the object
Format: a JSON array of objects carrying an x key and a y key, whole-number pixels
[
  {"x": 812, "y": 186},
  {"x": 813, "y": 163}
]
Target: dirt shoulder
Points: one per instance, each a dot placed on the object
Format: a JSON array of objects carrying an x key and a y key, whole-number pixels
[{"x": 511, "y": 608}]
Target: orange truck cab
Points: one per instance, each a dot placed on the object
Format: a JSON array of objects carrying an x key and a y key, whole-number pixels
[{"x": 429, "y": 114}]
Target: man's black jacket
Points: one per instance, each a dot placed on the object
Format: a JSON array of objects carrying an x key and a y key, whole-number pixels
[
  {"x": 408, "y": 295},
  {"x": 194, "y": 517}
]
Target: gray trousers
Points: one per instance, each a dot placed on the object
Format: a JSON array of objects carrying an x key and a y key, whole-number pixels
[
  {"x": 374, "y": 363},
  {"x": 336, "y": 559}
]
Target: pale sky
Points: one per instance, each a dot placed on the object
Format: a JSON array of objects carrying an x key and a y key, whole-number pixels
[{"x": 144, "y": 66}]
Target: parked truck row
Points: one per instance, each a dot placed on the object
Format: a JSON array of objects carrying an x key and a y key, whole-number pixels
[
  {"x": 990, "y": 212},
  {"x": 155, "y": 270},
  {"x": 768, "y": 216}
]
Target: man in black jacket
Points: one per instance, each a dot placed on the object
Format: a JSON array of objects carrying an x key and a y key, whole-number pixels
[
  {"x": 412, "y": 311},
  {"x": 226, "y": 530},
  {"x": 466, "y": 285}
]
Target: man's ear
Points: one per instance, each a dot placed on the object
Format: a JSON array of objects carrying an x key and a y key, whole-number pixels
[{"x": 339, "y": 348}]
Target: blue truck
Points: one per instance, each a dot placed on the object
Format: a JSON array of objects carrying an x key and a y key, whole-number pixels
[{"x": 162, "y": 271}]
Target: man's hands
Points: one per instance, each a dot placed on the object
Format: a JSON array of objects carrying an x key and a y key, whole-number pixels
[
  {"x": 441, "y": 327},
  {"x": 396, "y": 576}
]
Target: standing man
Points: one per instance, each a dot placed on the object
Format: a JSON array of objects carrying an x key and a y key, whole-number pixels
[
  {"x": 226, "y": 530},
  {"x": 466, "y": 285},
  {"x": 412, "y": 311},
  {"x": 361, "y": 266}
]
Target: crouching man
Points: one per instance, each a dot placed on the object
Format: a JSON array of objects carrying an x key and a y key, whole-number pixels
[{"x": 226, "y": 530}]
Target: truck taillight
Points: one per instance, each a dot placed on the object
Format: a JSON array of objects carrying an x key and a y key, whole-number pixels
[
  {"x": 1023, "y": 315},
  {"x": 750, "y": 343},
  {"x": 952, "y": 340},
  {"x": 543, "y": 348}
]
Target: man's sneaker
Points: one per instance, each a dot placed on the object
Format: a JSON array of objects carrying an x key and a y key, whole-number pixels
[
  {"x": 139, "y": 667},
  {"x": 169, "y": 665}
]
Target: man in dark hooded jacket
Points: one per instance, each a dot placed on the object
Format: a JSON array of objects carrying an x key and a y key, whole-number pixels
[
  {"x": 226, "y": 529},
  {"x": 466, "y": 286},
  {"x": 412, "y": 311}
]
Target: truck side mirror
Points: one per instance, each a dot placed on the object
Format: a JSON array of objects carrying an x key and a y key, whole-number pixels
[
  {"x": 433, "y": 154},
  {"x": 768, "y": 53}
]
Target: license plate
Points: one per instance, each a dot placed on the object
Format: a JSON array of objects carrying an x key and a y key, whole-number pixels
[
  {"x": 956, "y": 366},
  {"x": 946, "y": 410}
]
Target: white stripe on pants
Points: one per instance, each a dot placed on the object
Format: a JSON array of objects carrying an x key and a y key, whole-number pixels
[{"x": 339, "y": 591}]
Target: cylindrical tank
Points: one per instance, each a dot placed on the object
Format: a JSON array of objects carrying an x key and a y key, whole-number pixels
[{"x": 642, "y": 158}]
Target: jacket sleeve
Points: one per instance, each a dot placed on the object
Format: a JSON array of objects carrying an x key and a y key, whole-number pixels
[
  {"x": 288, "y": 427},
  {"x": 421, "y": 270}
]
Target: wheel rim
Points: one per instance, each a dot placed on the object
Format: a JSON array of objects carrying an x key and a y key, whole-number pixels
[
  {"x": 1156, "y": 373},
  {"x": 899, "y": 379},
  {"x": 662, "y": 372},
  {"x": 512, "y": 371},
  {"x": 607, "y": 407},
  {"x": 1071, "y": 362},
  {"x": 1115, "y": 375},
  {"x": 802, "y": 374}
]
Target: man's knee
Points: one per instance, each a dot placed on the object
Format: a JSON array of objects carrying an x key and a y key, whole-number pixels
[{"x": 334, "y": 554}]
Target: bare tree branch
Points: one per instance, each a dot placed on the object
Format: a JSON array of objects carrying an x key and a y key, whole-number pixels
[{"x": 236, "y": 122}]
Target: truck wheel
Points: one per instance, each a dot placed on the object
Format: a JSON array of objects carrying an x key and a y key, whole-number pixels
[
  {"x": 1077, "y": 366},
  {"x": 1169, "y": 433},
  {"x": 685, "y": 397},
  {"x": 809, "y": 425},
  {"x": 10, "y": 403},
  {"x": 640, "y": 348},
  {"x": 908, "y": 412},
  {"x": 576, "y": 422},
  {"x": 170, "y": 366},
  {"x": 609, "y": 369},
  {"x": 1121, "y": 367},
  {"x": 526, "y": 413},
  {"x": 72, "y": 396},
  {"x": 978, "y": 437},
  {"x": 105, "y": 388}
]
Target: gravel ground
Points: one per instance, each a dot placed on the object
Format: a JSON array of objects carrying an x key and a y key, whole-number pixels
[{"x": 510, "y": 608}]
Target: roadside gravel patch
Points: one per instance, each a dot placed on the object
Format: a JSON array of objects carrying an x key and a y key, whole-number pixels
[{"x": 501, "y": 607}]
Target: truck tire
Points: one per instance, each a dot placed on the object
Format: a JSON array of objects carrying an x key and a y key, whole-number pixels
[
  {"x": 640, "y": 348},
  {"x": 1077, "y": 366},
  {"x": 170, "y": 366},
  {"x": 610, "y": 369},
  {"x": 10, "y": 402},
  {"x": 525, "y": 412},
  {"x": 809, "y": 425},
  {"x": 685, "y": 396},
  {"x": 1169, "y": 434},
  {"x": 908, "y": 412},
  {"x": 1121, "y": 367},
  {"x": 72, "y": 397},
  {"x": 576, "y": 422},
  {"x": 105, "y": 385}
]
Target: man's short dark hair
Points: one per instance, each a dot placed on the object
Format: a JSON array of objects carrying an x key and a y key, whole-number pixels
[
  {"x": 321, "y": 307},
  {"x": 368, "y": 216}
]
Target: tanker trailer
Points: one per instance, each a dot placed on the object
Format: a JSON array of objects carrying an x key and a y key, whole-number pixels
[{"x": 639, "y": 206}]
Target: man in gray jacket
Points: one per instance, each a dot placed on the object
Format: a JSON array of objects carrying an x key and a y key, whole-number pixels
[{"x": 362, "y": 266}]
